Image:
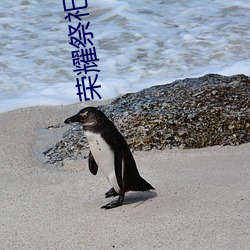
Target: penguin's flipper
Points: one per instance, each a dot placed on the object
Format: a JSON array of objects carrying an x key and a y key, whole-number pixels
[
  {"x": 118, "y": 166},
  {"x": 115, "y": 203},
  {"x": 93, "y": 167},
  {"x": 111, "y": 193}
]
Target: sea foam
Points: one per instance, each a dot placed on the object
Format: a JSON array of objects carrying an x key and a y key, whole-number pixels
[{"x": 138, "y": 43}]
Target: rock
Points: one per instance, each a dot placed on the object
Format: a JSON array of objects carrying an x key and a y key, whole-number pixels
[{"x": 190, "y": 113}]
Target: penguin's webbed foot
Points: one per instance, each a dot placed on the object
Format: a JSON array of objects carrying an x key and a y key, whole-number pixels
[
  {"x": 111, "y": 193},
  {"x": 113, "y": 204}
]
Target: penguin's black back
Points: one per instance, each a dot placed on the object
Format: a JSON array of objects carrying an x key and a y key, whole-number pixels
[{"x": 132, "y": 180}]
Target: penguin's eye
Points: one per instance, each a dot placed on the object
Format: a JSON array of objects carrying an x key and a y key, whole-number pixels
[{"x": 84, "y": 115}]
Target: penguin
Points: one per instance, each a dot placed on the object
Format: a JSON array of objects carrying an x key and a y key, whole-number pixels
[{"x": 110, "y": 152}]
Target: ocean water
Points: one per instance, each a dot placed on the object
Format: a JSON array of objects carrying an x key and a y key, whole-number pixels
[{"x": 138, "y": 43}]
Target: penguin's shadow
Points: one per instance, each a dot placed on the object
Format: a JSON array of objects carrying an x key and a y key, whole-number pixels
[{"x": 137, "y": 198}]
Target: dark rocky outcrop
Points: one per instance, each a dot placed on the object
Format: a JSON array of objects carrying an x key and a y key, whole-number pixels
[{"x": 190, "y": 113}]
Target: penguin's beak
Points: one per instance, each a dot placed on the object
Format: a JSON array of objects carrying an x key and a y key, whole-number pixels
[{"x": 74, "y": 118}]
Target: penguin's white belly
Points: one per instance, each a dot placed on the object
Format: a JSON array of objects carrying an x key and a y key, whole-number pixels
[{"x": 104, "y": 157}]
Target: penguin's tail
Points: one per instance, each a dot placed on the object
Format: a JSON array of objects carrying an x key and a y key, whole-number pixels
[{"x": 141, "y": 185}]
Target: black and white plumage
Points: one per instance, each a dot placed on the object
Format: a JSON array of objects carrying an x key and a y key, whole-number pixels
[{"x": 110, "y": 152}]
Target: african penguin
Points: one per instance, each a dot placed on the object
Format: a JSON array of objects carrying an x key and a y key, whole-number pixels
[{"x": 110, "y": 152}]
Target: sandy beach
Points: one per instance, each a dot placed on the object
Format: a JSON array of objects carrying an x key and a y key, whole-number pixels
[{"x": 201, "y": 198}]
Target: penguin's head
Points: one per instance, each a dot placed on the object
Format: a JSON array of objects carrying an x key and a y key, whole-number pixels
[{"x": 88, "y": 117}]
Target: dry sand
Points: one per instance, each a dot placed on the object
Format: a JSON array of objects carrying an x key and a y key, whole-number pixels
[{"x": 201, "y": 201}]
